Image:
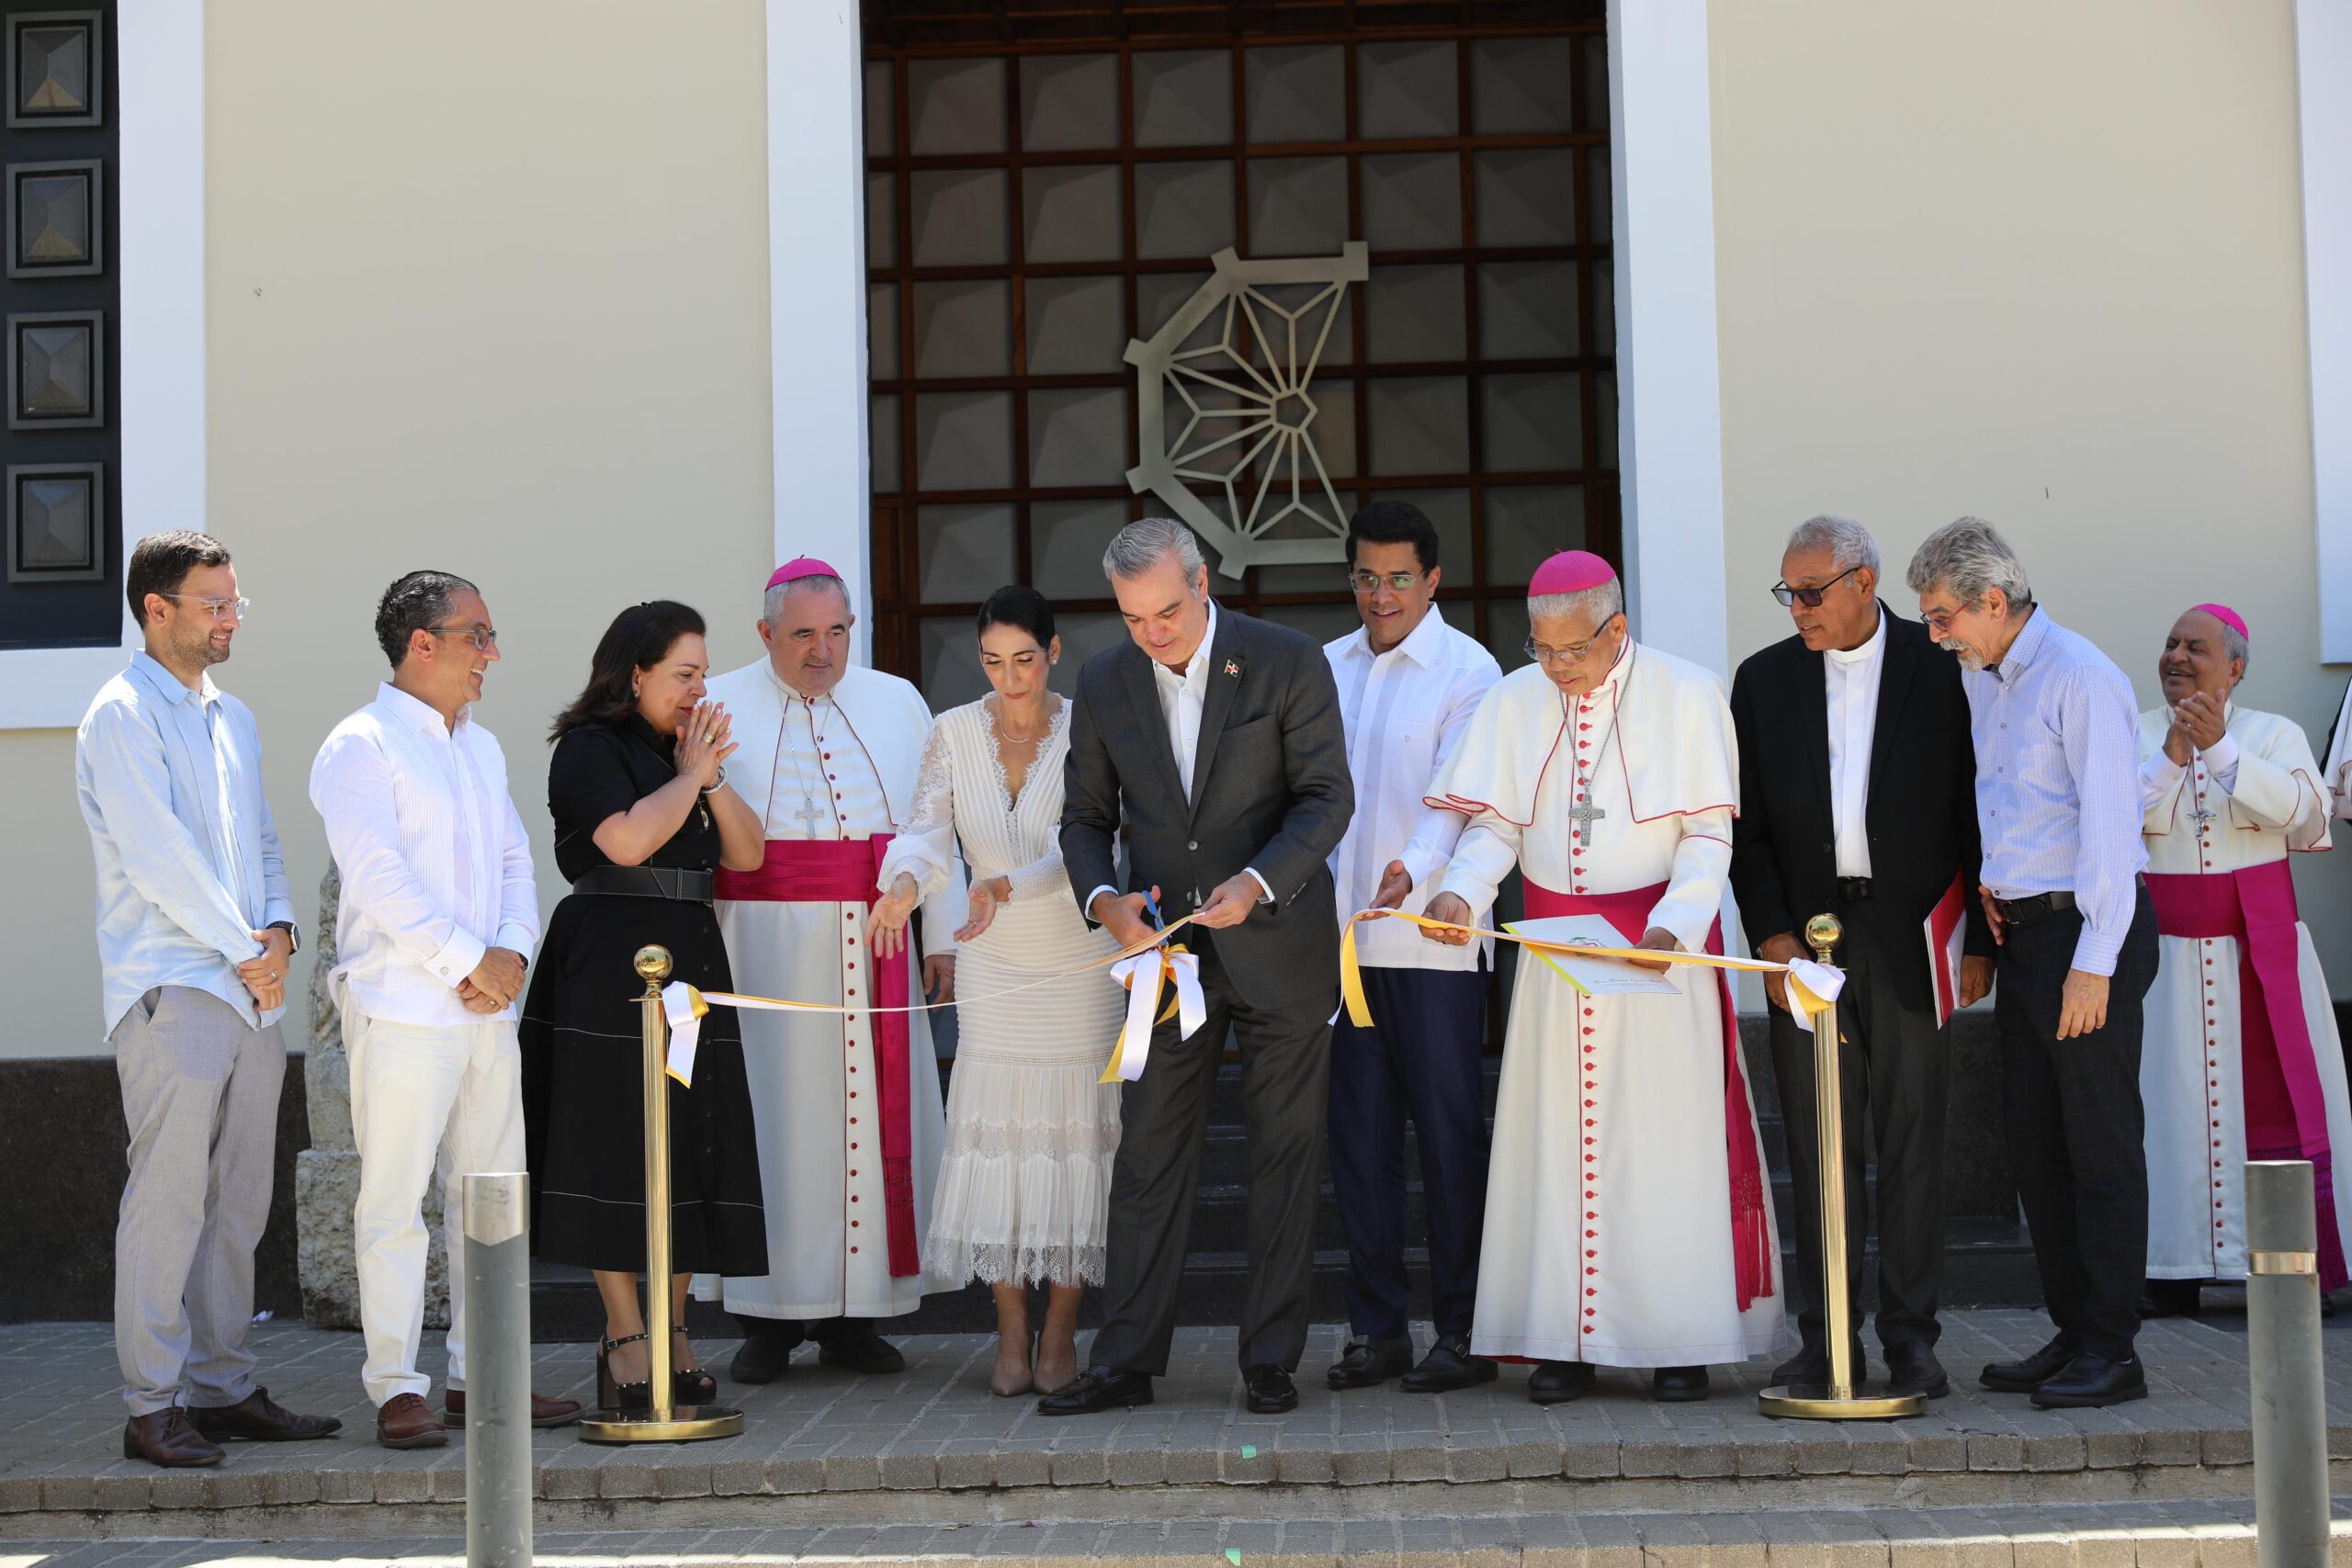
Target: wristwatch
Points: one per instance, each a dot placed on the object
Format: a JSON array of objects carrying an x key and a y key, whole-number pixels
[{"x": 293, "y": 937}]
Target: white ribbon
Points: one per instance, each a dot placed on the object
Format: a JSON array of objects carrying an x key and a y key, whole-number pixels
[
  {"x": 1824, "y": 980},
  {"x": 685, "y": 1030},
  {"x": 1141, "y": 974}
]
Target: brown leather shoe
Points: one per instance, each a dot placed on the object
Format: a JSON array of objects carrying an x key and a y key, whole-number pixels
[
  {"x": 261, "y": 1419},
  {"x": 545, "y": 1411},
  {"x": 405, "y": 1421},
  {"x": 165, "y": 1438}
]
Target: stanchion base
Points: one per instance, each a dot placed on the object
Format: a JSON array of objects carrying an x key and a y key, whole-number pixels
[
  {"x": 685, "y": 1424},
  {"x": 1813, "y": 1402}
]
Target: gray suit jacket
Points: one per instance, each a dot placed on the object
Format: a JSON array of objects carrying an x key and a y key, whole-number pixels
[{"x": 1271, "y": 791}]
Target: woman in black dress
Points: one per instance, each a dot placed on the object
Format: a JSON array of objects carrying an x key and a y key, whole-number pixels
[{"x": 642, "y": 817}]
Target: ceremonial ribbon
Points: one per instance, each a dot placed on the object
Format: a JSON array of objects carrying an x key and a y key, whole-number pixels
[{"x": 1143, "y": 975}]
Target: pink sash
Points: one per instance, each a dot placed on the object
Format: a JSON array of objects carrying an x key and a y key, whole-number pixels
[
  {"x": 844, "y": 871},
  {"x": 1753, "y": 1244},
  {"x": 2256, "y": 905}
]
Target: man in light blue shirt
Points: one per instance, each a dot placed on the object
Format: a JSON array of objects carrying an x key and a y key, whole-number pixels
[
  {"x": 2057, "y": 802},
  {"x": 195, "y": 933}
]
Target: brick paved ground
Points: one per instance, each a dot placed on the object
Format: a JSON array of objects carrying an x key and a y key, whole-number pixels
[{"x": 933, "y": 1447}]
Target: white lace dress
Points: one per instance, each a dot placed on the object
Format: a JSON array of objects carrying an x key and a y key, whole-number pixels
[{"x": 1024, "y": 1187}]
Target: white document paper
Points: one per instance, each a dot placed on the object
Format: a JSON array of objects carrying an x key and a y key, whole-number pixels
[{"x": 1598, "y": 976}]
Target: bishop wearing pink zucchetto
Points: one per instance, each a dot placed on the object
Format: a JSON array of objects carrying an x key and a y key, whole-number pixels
[
  {"x": 2240, "y": 1059},
  {"x": 851, "y": 1125},
  {"x": 1628, "y": 1220}
]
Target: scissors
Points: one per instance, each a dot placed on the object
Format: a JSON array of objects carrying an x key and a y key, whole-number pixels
[{"x": 1157, "y": 923}]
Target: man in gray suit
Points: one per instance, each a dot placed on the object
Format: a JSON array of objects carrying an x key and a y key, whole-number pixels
[{"x": 1218, "y": 738}]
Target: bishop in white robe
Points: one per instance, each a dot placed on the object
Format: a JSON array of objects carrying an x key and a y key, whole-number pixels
[
  {"x": 1629, "y": 1222},
  {"x": 848, "y": 1106},
  {"x": 2241, "y": 1060}
]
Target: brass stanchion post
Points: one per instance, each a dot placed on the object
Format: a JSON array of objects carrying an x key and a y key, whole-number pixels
[
  {"x": 1838, "y": 1402},
  {"x": 662, "y": 1423}
]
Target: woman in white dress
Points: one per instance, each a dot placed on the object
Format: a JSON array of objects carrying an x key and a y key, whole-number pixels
[{"x": 1024, "y": 1187}]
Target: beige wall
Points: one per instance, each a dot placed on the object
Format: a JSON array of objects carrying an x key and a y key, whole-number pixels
[
  {"x": 487, "y": 290},
  {"x": 2042, "y": 264}
]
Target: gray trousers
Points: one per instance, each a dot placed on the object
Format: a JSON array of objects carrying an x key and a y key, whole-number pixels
[{"x": 199, "y": 1099}]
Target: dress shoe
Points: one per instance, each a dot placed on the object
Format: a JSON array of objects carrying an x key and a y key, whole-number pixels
[
  {"x": 1679, "y": 1385},
  {"x": 1809, "y": 1368},
  {"x": 2090, "y": 1380},
  {"x": 260, "y": 1420},
  {"x": 1556, "y": 1382},
  {"x": 1369, "y": 1362},
  {"x": 2170, "y": 1298},
  {"x": 855, "y": 1347},
  {"x": 1098, "y": 1389},
  {"x": 546, "y": 1411},
  {"x": 1912, "y": 1367},
  {"x": 405, "y": 1421},
  {"x": 2024, "y": 1377},
  {"x": 165, "y": 1438},
  {"x": 763, "y": 1358},
  {"x": 1447, "y": 1367},
  {"x": 1267, "y": 1389}
]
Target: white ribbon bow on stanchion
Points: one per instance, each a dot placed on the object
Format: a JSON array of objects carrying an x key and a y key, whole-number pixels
[
  {"x": 685, "y": 1007},
  {"x": 1813, "y": 987},
  {"x": 1143, "y": 975}
]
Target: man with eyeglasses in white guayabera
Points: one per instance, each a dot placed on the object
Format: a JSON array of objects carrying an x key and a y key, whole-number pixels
[
  {"x": 1629, "y": 1222},
  {"x": 1408, "y": 683},
  {"x": 434, "y": 933},
  {"x": 195, "y": 933}
]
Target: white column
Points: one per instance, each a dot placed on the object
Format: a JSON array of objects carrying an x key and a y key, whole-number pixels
[
  {"x": 2323, "y": 69},
  {"x": 817, "y": 290},
  {"x": 1669, "y": 417}
]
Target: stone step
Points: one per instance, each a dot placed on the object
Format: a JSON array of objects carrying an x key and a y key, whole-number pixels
[{"x": 2190, "y": 1534}]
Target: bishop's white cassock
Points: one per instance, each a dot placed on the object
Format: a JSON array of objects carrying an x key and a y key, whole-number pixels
[
  {"x": 2240, "y": 1059},
  {"x": 827, "y": 776},
  {"x": 2336, "y": 777},
  {"x": 1628, "y": 1220}
]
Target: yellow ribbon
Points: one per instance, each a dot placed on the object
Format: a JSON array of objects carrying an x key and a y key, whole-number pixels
[{"x": 1360, "y": 1012}]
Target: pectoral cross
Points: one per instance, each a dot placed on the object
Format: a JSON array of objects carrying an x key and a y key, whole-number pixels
[
  {"x": 808, "y": 816},
  {"x": 2200, "y": 816},
  {"x": 1582, "y": 814}
]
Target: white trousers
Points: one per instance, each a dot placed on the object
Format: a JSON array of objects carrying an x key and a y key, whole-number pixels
[{"x": 418, "y": 1093}]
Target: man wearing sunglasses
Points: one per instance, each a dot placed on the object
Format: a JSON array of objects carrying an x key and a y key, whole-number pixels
[
  {"x": 2057, "y": 736},
  {"x": 1830, "y": 823}
]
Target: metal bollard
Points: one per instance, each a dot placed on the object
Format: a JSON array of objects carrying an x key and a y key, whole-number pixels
[
  {"x": 2289, "y": 1391},
  {"x": 498, "y": 1369}
]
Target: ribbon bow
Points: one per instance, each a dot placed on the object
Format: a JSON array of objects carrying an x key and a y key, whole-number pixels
[
  {"x": 1813, "y": 988},
  {"x": 684, "y": 1006},
  {"x": 1144, "y": 976}
]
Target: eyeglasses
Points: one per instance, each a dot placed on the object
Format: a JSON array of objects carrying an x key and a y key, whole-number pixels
[
  {"x": 482, "y": 637},
  {"x": 1369, "y": 582},
  {"x": 1941, "y": 620},
  {"x": 1572, "y": 654},
  {"x": 1810, "y": 597},
  {"x": 219, "y": 609}
]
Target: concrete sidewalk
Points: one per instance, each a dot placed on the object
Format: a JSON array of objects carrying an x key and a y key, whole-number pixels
[{"x": 932, "y": 1449}]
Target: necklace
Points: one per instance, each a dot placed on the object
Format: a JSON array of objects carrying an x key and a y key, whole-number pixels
[{"x": 1583, "y": 811}]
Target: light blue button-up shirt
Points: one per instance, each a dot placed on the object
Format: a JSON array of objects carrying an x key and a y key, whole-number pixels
[
  {"x": 187, "y": 859},
  {"x": 2058, "y": 780}
]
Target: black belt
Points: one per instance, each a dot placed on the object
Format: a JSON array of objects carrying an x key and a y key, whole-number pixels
[
  {"x": 647, "y": 882},
  {"x": 1853, "y": 889},
  {"x": 2023, "y": 913}
]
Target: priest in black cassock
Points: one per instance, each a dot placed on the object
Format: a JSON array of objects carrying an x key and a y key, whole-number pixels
[{"x": 1857, "y": 795}]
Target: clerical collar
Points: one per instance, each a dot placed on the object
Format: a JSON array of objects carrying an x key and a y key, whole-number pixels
[
  {"x": 1616, "y": 670},
  {"x": 1870, "y": 645},
  {"x": 789, "y": 691}
]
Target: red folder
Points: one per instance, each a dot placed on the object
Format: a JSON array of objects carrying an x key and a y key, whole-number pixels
[{"x": 1945, "y": 928}]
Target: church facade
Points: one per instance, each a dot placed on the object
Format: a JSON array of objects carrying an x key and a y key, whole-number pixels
[{"x": 593, "y": 303}]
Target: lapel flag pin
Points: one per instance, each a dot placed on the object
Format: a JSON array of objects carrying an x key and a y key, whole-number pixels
[{"x": 1233, "y": 667}]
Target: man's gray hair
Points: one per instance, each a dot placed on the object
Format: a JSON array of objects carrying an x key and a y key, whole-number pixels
[
  {"x": 1141, "y": 544},
  {"x": 1600, "y": 601},
  {"x": 1967, "y": 557},
  {"x": 1848, "y": 543},
  {"x": 772, "y": 606}
]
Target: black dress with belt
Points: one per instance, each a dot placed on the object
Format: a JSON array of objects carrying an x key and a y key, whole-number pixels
[{"x": 582, "y": 1042}]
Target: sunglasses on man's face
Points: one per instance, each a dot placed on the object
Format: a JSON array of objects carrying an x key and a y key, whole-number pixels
[{"x": 1810, "y": 597}]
